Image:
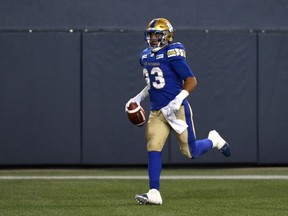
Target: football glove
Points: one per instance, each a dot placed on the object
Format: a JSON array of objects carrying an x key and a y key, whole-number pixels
[{"x": 175, "y": 104}]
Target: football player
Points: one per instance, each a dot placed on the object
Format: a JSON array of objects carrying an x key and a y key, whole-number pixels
[{"x": 169, "y": 82}]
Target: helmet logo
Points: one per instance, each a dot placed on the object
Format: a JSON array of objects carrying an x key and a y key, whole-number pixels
[{"x": 170, "y": 27}]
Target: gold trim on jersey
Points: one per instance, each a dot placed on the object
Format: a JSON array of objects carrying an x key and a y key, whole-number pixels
[{"x": 176, "y": 52}]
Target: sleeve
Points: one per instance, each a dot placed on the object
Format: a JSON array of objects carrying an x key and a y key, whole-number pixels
[
  {"x": 177, "y": 57},
  {"x": 182, "y": 68}
]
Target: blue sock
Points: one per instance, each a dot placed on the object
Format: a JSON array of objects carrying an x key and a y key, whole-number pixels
[
  {"x": 154, "y": 169},
  {"x": 200, "y": 147}
]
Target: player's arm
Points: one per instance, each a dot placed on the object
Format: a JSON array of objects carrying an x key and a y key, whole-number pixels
[
  {"x": 139, "y": 97},
  {"x": 190, "y": 84},
  {"x": 177, "y": 57},
  {"x": 145, "y": 91},
  {"x": 182, "y": 68}
]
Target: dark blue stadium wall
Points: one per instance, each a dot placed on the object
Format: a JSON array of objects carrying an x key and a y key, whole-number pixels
[{"x": 68, "y": 68}]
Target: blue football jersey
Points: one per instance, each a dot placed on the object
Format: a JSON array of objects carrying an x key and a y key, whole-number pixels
[{"x": 165, "y": 71}]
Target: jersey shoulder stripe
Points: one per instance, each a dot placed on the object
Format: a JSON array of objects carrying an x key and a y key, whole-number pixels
[{"x": 176, "y": 49}]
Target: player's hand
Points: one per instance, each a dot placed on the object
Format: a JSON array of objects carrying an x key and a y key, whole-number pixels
[
  {"x": 139, "y": 97},
  {"x": 174, "y": 106},
  {"x": 135, "y": 99}
]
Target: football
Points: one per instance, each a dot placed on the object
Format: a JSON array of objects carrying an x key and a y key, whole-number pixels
[{"x": 136, "y": 114}]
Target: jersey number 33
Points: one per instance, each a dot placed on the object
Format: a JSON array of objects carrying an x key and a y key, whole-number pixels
[{"x": 159, "y": 80}]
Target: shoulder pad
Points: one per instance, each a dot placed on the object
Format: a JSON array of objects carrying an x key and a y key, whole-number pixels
[
  {"x": 144, "y": 53},
  {"x": 176, "y": 49}
]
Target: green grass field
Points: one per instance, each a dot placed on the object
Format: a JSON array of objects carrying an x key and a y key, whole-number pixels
[{"x": 109, "y": 197}]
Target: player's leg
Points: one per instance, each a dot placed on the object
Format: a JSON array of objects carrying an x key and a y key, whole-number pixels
[
  {"x": 190, "y": 147},
  {"x": 157, "y": 131},
  {"x": 188, "y": 142}
]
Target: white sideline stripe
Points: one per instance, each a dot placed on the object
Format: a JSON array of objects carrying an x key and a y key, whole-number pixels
[{"x": 167, "y": 177}]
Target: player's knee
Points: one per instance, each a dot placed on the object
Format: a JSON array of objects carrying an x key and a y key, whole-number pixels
[
  {"x": 157, "y": 148},
  {"x": 186, "y": 153}
]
